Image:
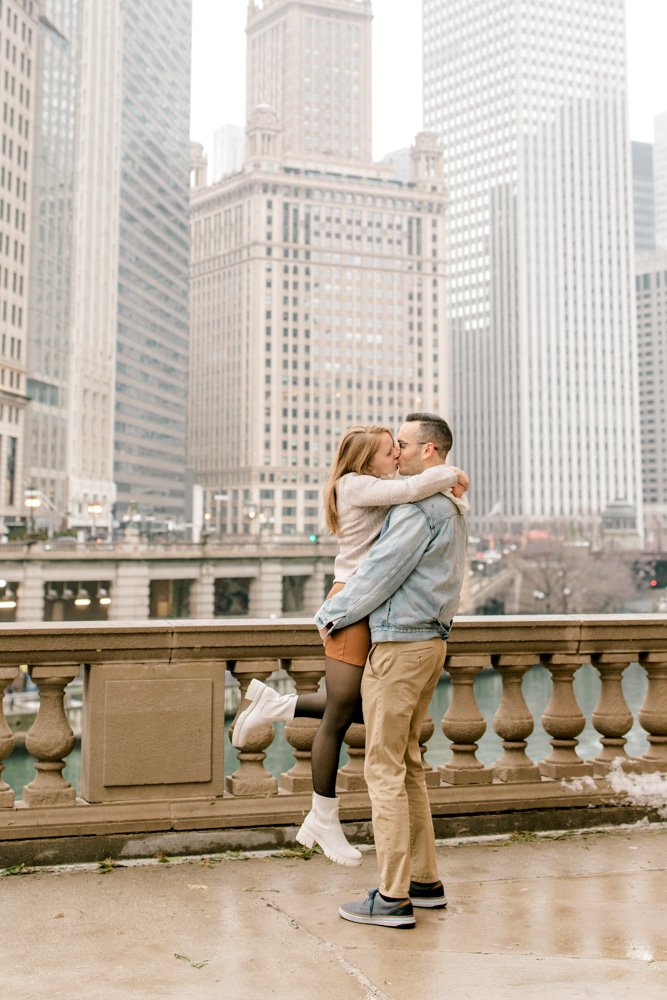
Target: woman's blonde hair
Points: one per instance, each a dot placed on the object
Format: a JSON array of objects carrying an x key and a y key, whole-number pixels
[{"x": 355, "y": 454}]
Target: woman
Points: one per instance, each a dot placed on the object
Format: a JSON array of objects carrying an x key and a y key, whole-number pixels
[{"x": 360, "y": 489}]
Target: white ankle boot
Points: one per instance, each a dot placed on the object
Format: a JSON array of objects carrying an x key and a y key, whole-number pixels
[
  {"x": 266, "y": 705},
  {"x": 322, "y": 826}
]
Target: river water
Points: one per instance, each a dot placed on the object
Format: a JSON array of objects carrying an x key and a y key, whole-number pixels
[{"x": 19, "y": 768}]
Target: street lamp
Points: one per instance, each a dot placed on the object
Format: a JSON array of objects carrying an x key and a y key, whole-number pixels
[
  {"x": 94, "y": 509},
  {"x": 82, "y": 598},
  {"x": 207, "y": 527},
  {"x": 32, "y": 501},
  {"x": 219, "y": 498},
  {"x": 566, "y": 594},
  {"x": 8, "y": 597}
]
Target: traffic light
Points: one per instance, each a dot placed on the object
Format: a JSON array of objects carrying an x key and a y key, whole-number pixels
[
  {"x": 313, "y": 537},
  {"x": 646, "y": 573}
]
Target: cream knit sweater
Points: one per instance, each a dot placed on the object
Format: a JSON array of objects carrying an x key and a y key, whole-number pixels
[{"x": 363, "y": 503}]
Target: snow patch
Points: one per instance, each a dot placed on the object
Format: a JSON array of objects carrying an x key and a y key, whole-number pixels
[
  {"x": 648, "y": 791},
  {"x": 586, "y": 784}
]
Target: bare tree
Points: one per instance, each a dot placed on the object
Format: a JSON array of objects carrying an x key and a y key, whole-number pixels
[{"x": 557, "y": 578}]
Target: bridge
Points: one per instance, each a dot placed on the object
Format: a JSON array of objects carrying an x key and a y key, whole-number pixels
[{"x": 135, "y": 579}]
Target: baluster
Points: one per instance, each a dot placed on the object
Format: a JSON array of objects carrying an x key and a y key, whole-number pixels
[
  {"x": 653, "y": 713},
  {"x": 463, "y": 724},
  {"x": 351, "y": 777},
  {"x": 300, "y": 732},
  {"x": 563, "y": 720},
  {"x": 252, "y": 777},
  {"x": 7, "y": 675},
  {"x": 513, "y": 721},
  {"x": 611, "y": 716},
  {"x": 431, "y": 776},
  {"x": 50, "y": 738}
]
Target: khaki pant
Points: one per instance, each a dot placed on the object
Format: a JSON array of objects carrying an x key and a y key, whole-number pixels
[{"x": 397, "y": 687}]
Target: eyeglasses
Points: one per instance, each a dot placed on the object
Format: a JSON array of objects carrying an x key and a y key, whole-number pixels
[{"x": 407, "y": 444}]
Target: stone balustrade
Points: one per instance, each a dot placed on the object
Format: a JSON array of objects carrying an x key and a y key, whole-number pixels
[{"x": 153, "y": 747}]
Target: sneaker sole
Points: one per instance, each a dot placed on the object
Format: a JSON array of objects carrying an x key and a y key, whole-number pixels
[
  {"x": 405, "y": 923},
  {"x": 429, "y": 904}
]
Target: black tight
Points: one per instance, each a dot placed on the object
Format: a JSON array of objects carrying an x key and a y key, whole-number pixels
[{"x": 337, "y": 708}]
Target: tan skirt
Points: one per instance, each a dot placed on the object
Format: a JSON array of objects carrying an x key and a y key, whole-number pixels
[{"x": 351, "y": 644}]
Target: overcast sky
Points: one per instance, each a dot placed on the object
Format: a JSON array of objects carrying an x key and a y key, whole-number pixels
[{"x": 218, "y": 68}]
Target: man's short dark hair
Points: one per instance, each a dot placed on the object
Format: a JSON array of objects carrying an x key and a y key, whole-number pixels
[{"x": 433, "y": 428}]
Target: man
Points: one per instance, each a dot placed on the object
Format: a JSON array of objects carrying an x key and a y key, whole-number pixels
[{"x": 410, "y": 586}]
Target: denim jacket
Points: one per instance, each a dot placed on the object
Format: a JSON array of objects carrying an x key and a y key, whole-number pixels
[{"x": 410, "y": 583}]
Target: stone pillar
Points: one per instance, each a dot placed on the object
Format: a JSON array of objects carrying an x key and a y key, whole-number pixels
[
  {"x": 431, "y": 776},
  {"x": 7, "y": 675},
  {"x": 30, "y": 598},
  {"x": 313, "y": 591},
  {"x": 300, "y": 732},
  {"x": 463, "y": 724},
  {"x": 513, "y": 721},
  {"x": 252, "y": 777},
  {"x": 130, "y": 592},
  {"x": 653, "y": 713},
  {"x": 351, "y": 778},
  {"x": 563, "y": 720},
  {"x": 202, "y": 593},
  {"x": 266, "y": 593},
  {"x": 611, "y": 716},
  {"x": 50, "y": 738}
]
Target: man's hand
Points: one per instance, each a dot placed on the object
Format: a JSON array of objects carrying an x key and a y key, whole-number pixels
[{"x": 324, "y": 632}]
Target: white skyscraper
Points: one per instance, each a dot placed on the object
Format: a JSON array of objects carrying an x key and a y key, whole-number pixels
[
  {"x": 529, "y": 100},
  {"x": 228, "y": 151},
  {"x": 660, "y": 178},
  {"x": 18, "y": 34},
  {"x": 318, "y": 291}
]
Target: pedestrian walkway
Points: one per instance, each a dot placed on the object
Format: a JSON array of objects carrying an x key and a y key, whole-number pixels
[{"x": 576, "y": 916}]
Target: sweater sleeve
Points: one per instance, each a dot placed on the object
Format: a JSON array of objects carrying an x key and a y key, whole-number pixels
[{"x": 369, "y": 491}]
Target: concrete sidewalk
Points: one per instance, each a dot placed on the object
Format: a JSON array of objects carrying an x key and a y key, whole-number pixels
[{"x": 576, "y": 916}]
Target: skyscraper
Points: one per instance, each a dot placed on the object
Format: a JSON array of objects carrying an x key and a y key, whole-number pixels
[
  {"x": 651, "y": 289},
  {"x": 529, "y": 100},
  {"x": 153, "y": 257},
  {"x": 228, "y": 151},
  {"x": 109, "y": 295},
  {"x": 18, "y": 38},
  {"x": 318, "y": 293},
  {"x": 643, "y": 196},
  {"x": 49, "y": 460},
  {"x": 660, "y": 178},
  {"x": 311, "y": 63}
]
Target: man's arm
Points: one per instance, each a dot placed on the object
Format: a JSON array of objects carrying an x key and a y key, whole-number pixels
[{"x": 399, "y": 548}]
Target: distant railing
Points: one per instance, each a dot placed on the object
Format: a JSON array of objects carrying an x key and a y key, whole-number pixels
[
  {"x": 223, "y": 545},
  {"x": 152, "y": 743}
]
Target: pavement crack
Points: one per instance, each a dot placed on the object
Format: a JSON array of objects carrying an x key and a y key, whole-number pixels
[{"x": 375, "y": 992}]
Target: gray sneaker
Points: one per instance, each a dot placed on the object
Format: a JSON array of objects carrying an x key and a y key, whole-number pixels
[{"x": 376, "y": 910}]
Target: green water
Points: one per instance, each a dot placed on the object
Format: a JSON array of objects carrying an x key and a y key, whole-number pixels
[{"x": 536, "y": 689}]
